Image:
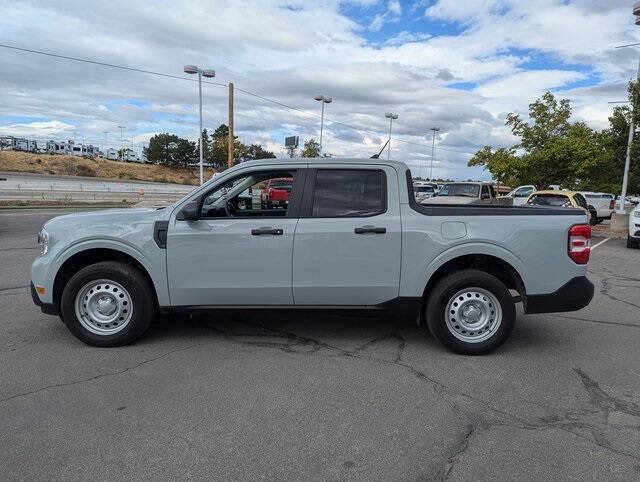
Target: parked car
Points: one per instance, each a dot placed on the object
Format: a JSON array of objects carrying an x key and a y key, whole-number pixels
[
  {"x": 468, "y": 193},
  {"x": 601, "y": 203},
  {"x": 351, "y": 237},
  {"x": 628, "y": 203},
  {"x": 521, "y": 194},
  {"x": 424, "y": 191},
  {"x": 633, "y": 237},
  {"x": 562, "y": 199},
  {"x": 276, "y": 192}
]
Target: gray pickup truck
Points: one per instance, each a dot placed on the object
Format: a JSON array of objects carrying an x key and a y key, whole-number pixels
[
  {"x": 349, "y": 235},
  {"x": 468, "y": 193}
]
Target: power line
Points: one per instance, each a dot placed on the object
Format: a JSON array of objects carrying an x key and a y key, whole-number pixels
[
  {"x": 105, "y": 64},
  {"x": 253, "y": 94}
]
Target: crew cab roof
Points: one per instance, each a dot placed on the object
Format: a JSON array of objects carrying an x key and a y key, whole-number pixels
[{"x": 401, "y": 166}]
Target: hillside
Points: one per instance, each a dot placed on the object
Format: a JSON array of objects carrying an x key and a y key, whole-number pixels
[{"x": 102, "y": 168}]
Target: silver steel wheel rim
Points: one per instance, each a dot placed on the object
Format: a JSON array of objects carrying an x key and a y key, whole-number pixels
[
  {"x": 473, "y": 315},
  {"x": 103, "y": 307}
]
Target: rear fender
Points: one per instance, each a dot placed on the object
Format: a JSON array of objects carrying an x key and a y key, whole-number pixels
[{"x": 465, "y": 249}]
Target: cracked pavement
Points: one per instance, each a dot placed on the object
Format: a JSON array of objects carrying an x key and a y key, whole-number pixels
[{"x": 302, "y": 396}]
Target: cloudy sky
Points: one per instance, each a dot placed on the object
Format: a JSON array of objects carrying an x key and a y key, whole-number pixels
[{"x": 461, "y": 65}]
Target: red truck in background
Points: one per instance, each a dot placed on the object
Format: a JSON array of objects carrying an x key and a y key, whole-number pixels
[{"x": 276, "y": 192}]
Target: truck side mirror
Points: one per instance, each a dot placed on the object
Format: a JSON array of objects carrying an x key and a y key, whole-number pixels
[
  {"x": 485, "y": 195},
  {"x": 189, "y": 212}
]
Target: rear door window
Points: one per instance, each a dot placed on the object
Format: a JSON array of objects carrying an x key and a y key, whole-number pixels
[
  {"x": 349, "y": 193},
  {"x": 556, "y": 200},
  {"x": 580, "y": 200}
]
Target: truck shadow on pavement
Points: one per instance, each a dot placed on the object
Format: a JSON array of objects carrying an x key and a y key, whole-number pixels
[{"x": 304, "y": 332}]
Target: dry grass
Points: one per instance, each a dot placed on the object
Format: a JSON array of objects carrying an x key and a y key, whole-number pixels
[{"x": 77, "y": 166}]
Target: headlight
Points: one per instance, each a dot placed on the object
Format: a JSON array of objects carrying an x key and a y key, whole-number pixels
[{"x": 43, "y": 241}]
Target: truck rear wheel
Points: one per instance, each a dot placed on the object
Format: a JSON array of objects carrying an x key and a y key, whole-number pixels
[
  {"x": 470, "y": 312},
  {"x": 108, "y": 304}
]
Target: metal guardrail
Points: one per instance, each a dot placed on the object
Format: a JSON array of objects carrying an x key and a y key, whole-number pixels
[
  {"x": 46, "y": 195},
  {"x": 93, "y": 187}
]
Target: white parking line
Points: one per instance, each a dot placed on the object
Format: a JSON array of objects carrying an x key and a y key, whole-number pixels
[{"x": 598, "y": 244}]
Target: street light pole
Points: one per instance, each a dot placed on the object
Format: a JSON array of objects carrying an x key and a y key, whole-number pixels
[
  {"x": 121, "y": 142},
  {"x": 627, "y": 161},
  {"x": 323, "y": 100},
  {"x": 391, "y": 116},
  {"x": 433, "y": 151},
  {"x": 194, "y": 69}
]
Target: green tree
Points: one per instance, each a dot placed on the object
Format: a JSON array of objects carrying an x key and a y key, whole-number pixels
[
  {"x": 253, "y": 151},
  {"x": 184, "y": 152},
  {"x": 159, "y": 149},
  {"x": 170, "y": 150},
  {"x": 554, "y": 150},
  {"x": 503, "y": 164},
  {"x": 550, "y": 119},
  {"x": 551, "y": 149},
  {"x": 311, "y": 149}
]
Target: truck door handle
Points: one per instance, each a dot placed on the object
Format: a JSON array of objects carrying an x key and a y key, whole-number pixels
[
  {"x": 370, "y": 229},
  {"x": 259, "y": 231}
]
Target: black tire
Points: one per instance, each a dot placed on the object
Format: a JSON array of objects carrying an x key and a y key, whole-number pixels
[
  {"x": 632, "y": 243},
  {"x": 129, "y": 277},
  {"x": 593, "y": 219},
  {"x": 444, "y": 291},
  {"x": 599, "y": 220}
]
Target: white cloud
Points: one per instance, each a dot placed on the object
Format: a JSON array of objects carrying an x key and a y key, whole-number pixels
[
  {"x": 38, "y": 129},
  {"x": 392, "y": 14},
  {"x": 293, "y": 50}
]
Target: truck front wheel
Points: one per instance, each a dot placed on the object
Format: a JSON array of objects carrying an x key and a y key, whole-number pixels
[
  {"x": 109, "y": 303},
  {"x": 470, "y": 312}
]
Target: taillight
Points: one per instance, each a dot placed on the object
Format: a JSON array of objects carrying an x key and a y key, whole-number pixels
[
  {"x": 612, "y": 204},
  {"x": 579, "y": 246}
]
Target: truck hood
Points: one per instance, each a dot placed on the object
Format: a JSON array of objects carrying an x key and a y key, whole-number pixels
[
  {"x": 116, "y": 218},
  {"x": 450, "y": 200}
]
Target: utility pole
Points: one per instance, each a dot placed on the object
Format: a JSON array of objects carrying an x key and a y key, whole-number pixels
[
  {"x": 230, "y": 150},
  {"x": 105, "y": 142},
  {"x": 433, "y": 150}
]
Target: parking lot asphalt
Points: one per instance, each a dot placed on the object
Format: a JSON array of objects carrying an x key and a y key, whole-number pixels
[{"x": 320, "y": 397}]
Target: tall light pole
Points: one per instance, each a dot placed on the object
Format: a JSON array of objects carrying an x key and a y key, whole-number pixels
[
  {"x": 122, "y": 128},
  {"x": 391, "y": 116},
  {"x": 194, "y": 69},
  {"x": 433, "y": 151},
  {"x": 323, "y": 100},
  {"x": 627, "y": 161},
  {"x": 105, "y": 141}
]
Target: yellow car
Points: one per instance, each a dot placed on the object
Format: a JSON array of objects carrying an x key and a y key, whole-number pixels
[{"x": 564, "y": 199}]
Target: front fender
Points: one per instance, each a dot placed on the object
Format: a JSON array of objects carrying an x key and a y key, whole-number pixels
[{"x": 154, "y": 262}]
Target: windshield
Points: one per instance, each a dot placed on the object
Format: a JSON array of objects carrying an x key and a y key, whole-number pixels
[
  {"x": 467, "y": 190},
  {"x": 282, "y": 184},
  {"x": 549, "y": 200},
  {"x": 423, "y": 189}
]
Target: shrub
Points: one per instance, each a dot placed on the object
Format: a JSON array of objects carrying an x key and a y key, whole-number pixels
[{"x": 83, "y": 170}]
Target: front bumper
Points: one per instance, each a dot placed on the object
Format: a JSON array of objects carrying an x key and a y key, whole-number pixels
[
  {"x": 572, "y": 296},
  {"x": 46, "y": 308}
]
